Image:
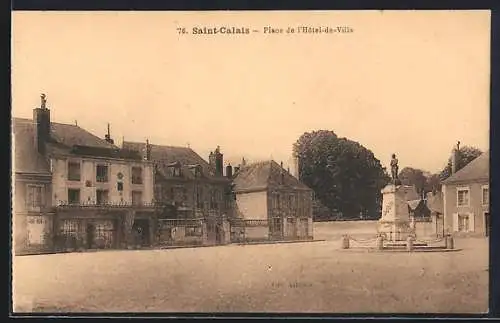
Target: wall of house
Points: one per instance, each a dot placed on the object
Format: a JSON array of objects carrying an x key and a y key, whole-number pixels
[
  {"x": 31, "y": 225},
  {"x": 252, "y": 205},
  {"x": 88, "y": 193},
  {"x": 280, "y": 205},
  {"x": 185, "y": 194},
  {"x": 475, "y": 209}
]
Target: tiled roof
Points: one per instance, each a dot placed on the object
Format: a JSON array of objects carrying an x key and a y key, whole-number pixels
[
  {"x": 165, "y": 156},
  {"x": 413, "y": 204},
  {"x": 477, "y": 169},
  {"x": 262, "y": 175},
  {"x": 435, "y": 202},
  {"x": 64, "y": 139},
  {"x": 27, "y": 158}
]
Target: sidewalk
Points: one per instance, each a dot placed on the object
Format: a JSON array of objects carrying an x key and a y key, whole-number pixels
[{"x": 34, "y": 253}]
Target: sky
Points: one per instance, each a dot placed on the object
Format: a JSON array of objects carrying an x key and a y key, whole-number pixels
[{"x": 411, "y": 83}]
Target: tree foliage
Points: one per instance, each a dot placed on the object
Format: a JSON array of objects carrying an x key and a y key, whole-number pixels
[
  {"x": 345, "y": 176},
  {"x": 466, "y": 154}
]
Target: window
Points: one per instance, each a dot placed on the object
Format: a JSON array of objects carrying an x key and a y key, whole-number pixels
[
  {"x": 199, "y": 198},
  {"x": 214, "y": 194},
  {"x": 101, "y": 174},
  {"x": 136, "y": 197},
  {"x": 485, "y": 197},
  {"x": 74, "y": 171},
  {"x": 35, "y": 196},
  {"x": 463, "y": 197},
  {"x": 463, "y": 223},
  {"x": 176, "y": 171},
  {"x": 73, "y": 196},
  {"x": 102, "y": 196},
  {"x": 136, "y": 175},
  {"x": 119, "y": 186},
  {"x": 278, "y": 201}
]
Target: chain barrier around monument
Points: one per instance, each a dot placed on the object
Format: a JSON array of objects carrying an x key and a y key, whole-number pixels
[{"x": 395, "y": 230}]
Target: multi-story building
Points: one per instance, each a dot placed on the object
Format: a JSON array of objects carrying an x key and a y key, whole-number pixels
[
  {"x": 190, "y": 188},
  {"x": 84, "y": 189},
  {"x": 466, "y": 197},
  {"x": 266, "y": 192}
]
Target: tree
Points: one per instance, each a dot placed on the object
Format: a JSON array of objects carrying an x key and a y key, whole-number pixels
[
  {"x": 466, "y": 154},
  {"x": 345, "y": 176},
  {"x": 413, "y": 177}
]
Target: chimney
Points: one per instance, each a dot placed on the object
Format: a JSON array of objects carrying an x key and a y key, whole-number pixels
[
  {"x": 219, "y": 162},
  {"x": 147, "y": 151},
  {"x": 296, "y": 167},
  {"x": 211, "y": 159},
  {"x": 282, "y": 173},
  {"x": 229, "y": 171},
  {"x": 107, "y": 137},
  {"x": 41, "y": 121},
  {"x": 455, "y": 158}
]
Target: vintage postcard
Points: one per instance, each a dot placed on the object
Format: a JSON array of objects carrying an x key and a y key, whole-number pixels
[{"x": 250, "y": 161}]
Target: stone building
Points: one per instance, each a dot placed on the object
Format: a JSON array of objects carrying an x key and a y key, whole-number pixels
[
  {"x": 466, "y": 196},
  {"x": 190, "y": 190},
  {"x": 268, "y": 194},
  {"x": 74, "y": 189}
]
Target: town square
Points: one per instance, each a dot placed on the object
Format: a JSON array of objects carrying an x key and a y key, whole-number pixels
[{"x": 174, "y": 176}]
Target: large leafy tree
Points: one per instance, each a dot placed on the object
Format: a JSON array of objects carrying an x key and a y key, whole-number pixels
[
  {"x": 345, "y": 176},
  {"x": 414, "y": 177},
  {"x": 466, "y": 154}
]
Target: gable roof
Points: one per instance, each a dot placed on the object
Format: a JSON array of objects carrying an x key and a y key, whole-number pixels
[
  {"x": 477, "y": 170},
  {"x": 265, "y": 174},
  {"x": 64, "y": 139},
  {"x": 166, "y": 156},
  {"x": 26, "y": 157},
  {"x": 435, "y": 202},
  {"x": 413, "y": 204}
]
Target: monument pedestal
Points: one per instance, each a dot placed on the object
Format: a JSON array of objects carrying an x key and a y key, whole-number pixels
[{"x": 395, "y": 221}]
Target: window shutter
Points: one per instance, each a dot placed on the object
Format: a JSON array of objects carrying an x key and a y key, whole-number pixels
[
  {"x": 455, "y": 222},
  {"x": 471, "y": 222}
]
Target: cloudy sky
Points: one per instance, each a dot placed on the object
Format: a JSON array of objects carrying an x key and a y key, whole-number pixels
[{"x": 407, "y": 82}]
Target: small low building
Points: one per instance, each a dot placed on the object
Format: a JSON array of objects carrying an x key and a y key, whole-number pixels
[
  {"x": 271, "y": 203},
  {"x": 466, "y": 198}
]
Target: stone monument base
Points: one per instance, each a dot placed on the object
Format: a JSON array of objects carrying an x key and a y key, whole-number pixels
[{"x": 395, "y": 230}]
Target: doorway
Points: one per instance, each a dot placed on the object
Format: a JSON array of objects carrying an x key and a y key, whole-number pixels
[
  {"x": 141, "y": 231},
  {"x": 487, "y": 223},
  {"x": 90, "y": 235}
]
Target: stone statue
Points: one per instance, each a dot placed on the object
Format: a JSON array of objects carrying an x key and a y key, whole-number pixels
[
  {"x": 394, "y": 167},
  {"x": 43, "y": 99}
]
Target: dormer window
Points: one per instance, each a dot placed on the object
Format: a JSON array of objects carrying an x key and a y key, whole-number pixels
[{"x": 176, "y": 171}]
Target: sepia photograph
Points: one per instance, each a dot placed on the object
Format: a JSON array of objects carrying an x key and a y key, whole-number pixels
[{"x": 332, "y": 162}]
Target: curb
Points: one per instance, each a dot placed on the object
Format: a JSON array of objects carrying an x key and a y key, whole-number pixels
[{"x": 277, "y": 242}]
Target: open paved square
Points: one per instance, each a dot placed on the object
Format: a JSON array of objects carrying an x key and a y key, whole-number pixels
[{"x": 296, "y": 277}]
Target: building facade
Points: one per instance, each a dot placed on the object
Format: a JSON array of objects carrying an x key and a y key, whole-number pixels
[
  {"x": 85, "y": 191},
  {"x": 275, "y": 203},
  {"x": 466, "y": 198},
  {"x": 190, "y": 190}
]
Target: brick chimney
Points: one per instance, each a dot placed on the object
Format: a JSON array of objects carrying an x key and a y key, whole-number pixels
[
  {"x": 296, "y": 167},
  {"x": 455, "y": 158},
  {"x": 41, "y": 121},
  {"x": 107, "y": 137},
  {"x": 229, "y": 171},
  {"x": 219, "y": 162},
  {"x": 147, "y": 151}
]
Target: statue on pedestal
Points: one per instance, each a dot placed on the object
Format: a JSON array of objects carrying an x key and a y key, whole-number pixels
[
  {"x": 43, "y": 99},
  {"x": 394, "y": 169}
]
